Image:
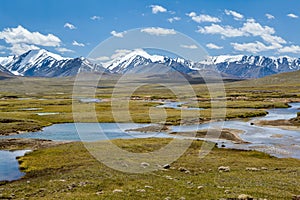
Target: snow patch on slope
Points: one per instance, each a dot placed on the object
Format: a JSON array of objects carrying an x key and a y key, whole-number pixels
[{"x": 127, "y": 59}]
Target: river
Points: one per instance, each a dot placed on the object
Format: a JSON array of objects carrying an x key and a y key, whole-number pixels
[{"x": 274, "y": 141}]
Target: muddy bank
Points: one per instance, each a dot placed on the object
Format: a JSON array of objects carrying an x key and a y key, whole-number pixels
[
  {"x": 26, "y": 143},
  {"x": 291, "y": 124},
  {"x": 11, "y": 126},
  {"x": 153, "y": 128},
  {"x": 226, "y": 134}
]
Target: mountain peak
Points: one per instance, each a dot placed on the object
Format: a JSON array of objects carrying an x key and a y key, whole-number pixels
[
  {"x": 222, "y": 59},
  {"x": 40, "y": 62},
  {"x": 44, "y": 53},
  {"x": 145, "y": 54},
  {"x": 124, "y": 59}
]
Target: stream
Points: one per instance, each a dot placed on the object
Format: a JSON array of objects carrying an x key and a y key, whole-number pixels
[{"x": 274, "y": 141}]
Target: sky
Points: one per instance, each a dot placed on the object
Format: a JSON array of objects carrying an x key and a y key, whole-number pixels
[{"x": 75, "y": 28}]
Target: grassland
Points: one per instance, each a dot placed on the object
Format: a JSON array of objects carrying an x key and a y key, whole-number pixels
[
  {"x": 69, "y": 172},
  {"x": 19, "y": 97}
]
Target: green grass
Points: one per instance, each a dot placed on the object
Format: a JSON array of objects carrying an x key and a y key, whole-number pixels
[
  {"x": 55, "y": 95},
  {"x": 11, "y": 111},
  {"x": 70, "y": 172}
]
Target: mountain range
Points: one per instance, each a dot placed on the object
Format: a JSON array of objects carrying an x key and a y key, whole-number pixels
[{"x": 42, "y": 63}]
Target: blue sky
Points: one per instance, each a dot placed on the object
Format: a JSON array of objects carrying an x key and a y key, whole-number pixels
[{"x": 74, "y": 28}]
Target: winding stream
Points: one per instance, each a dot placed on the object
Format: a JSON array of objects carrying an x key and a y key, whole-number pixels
[{"x": 274, "y": 141}]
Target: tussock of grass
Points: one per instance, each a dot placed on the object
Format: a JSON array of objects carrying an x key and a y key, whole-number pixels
[{"x": 16, "y": 125}]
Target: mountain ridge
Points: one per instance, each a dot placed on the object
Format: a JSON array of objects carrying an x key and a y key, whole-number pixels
[
  {"x": 46, "y": 64},
  {"x": 43, "y": 63}
]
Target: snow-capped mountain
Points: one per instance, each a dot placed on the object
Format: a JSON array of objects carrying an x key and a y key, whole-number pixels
[
  {"x": 46, "y": 64},
  {"x": 252, "y": 66},
  {"x": 238, "y": 66},
  {"x": 139, "y": 61}
]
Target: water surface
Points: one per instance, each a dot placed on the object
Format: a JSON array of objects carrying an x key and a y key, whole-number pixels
[
  {"x": 275, "y": 141},
  {"x": 9, "y": 166}
]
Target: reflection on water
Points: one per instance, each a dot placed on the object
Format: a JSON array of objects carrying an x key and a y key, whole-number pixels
[
  {"x": 283, "y": 113},
  {"x": 9, "y": 166},
  {"x": 47, "y": 113},
  {"x": 90, "y": 100},
  {"x": 176, "y": 105}
]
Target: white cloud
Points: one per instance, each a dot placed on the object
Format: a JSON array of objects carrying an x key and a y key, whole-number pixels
[
  {"x": 69, "y": 26},
  {"x": 249, "y": 28},
  {"x": 116, "y": 34},
  {"x": 189, "y": 46},
  {"x": 171, "y": 20},
  {"x": 202, "y": 18},
  {"x": 159, "y": 31},
  {"x": 227, "y": 31},
  {"x": 21, "y": 48},
  {"x": 290, "y": 49},
  {"x": 64, "y": 50},
  {"x": 157, "y": 9},
  {"x": 291, "y": 15},
  {"x": 120, "y": 53},
  {"x": 272, "y": 39},
  {"x": 256, "y": 29},
  {"x": 22, "y": 35},
  {"x": 265, "y": 32},
  {"x": 22, "y": 40},
  {"x": 269, "y": 16},
  {"x": 2, "y": 47},
  {"x": 253, "y": 47},
  {"x": 236, "y": 15},
  {"x": 102, "y": 58},
  {"x": 213, "y": 46},
  {"x": 95, "y": 17},
  {"x": 75, "y": 43}
]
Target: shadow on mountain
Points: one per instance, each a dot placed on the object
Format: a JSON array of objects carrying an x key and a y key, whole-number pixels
[{"x": 157, "y": 72}]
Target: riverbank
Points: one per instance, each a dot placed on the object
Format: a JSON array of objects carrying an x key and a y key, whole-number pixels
[
  {"x": 282, "y": 124},
  {"x": 27, "y": 143},
  {"x": 224, "y": 134},
  {"x": 287, "y": 124}
]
